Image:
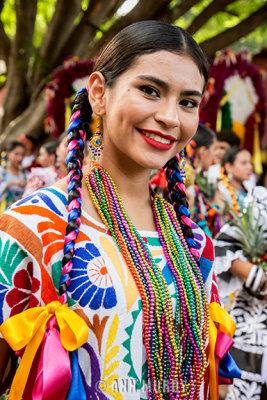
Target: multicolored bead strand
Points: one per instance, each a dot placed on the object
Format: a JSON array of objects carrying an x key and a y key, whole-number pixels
[{"x": 174, "y": 339}]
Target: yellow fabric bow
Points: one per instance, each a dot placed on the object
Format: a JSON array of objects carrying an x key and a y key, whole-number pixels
[
  {"x": 28, "y": 328},
  {"x": 219, "y": 320}
]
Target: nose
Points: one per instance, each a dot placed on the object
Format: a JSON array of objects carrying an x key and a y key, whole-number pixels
[{"x": 167, "y": 114}]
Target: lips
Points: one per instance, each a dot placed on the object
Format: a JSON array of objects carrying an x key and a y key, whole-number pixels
[{"x": 157, "y": 139}]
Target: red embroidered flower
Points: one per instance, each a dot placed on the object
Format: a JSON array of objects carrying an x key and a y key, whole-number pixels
[{"x": 22, "y": 296}]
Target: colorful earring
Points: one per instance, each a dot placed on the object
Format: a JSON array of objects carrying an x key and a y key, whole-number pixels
[
  {"x": 96, "y": 142},
  {"x": 182, "y": 165}
]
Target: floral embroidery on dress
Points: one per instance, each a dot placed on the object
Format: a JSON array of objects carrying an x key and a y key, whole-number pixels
[
  {"x": 22, "y": 295},
  {"x": 91, "y": 283}
]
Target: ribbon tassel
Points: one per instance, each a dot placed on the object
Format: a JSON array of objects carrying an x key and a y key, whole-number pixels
[{"x": 28, "y": 329}]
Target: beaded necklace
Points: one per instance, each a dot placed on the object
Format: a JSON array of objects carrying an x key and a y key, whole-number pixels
[
  {"x": 225, "y": 181},
  {"x": 174, "y": 341}
]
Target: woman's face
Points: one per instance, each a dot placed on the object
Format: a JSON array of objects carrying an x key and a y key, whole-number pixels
[
  {"x": 151, "y": 112},
  {"x": 15, "y": 156},
  {"x": 44, "y": 158},
  {"x": 242, "y": 168}
]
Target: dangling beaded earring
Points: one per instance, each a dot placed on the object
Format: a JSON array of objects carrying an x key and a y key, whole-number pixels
[
  {"x": 229, "y": 177},
  {"x": 182, "y": 165},
  {"x": 96, "y": 141}
]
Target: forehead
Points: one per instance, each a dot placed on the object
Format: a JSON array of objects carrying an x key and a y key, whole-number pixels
[
  {"x": 170, "y": 67},
  {"x": 222, "y": 145},
  {"x": 243, "y": 155}
]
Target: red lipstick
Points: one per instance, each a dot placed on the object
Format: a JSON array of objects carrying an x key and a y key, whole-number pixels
[{"x": 154, "y": 143}]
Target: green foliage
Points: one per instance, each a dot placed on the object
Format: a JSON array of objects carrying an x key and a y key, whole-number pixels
[
  {"x": 250, "y": 234},
  {"x": 254, "y": 42},
  {"x": 208, "y": 189},
  {"x": 45, "y": 11},
  {"x": 234, "y": 13},
  {"x": 8, "y": 17},
  {"x": 188, "y": 18}
]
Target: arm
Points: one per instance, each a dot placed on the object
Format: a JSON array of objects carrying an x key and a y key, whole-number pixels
[{"x": 254, "y": 278}]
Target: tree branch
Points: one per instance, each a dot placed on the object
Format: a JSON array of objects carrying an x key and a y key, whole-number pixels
[
  {"x": 212, "y": 9},
  {"x": 181, "y": 9},
  {"x": 225, "y": 38},
  {"x": 145, "y": 9},
  {"x": 99, "y": 11},
  {"x": 58, "y": 32}
]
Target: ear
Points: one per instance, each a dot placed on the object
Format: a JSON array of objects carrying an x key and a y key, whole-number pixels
[
  {"x": 228, "y": 168},
  {"x": 97, "y": 89},
  {"x": 200, "y": 154}
]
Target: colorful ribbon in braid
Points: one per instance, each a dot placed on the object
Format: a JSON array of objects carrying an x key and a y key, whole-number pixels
[
  {"x": 178, "y": 199},
  {"x": 76, "y": 140}
]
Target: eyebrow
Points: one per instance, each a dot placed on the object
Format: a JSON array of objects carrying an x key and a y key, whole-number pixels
[{"x": 166, "y": 86}]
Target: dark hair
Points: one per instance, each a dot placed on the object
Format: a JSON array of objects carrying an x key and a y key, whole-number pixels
[
  {"x": 12, "y": 145},
  {"x": 231, "y": 154},
  {"x": 204, "y": 136},
  {"x": 50, "y": 147},
  {"x": 119, "y": 55},
  {"x": 32, "y": 139},
  {"x": 146, "y": 37},
  {"x": 228, "y": 136}
]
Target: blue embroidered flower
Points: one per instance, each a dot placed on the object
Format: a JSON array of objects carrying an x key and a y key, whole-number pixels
[{"x": 91, "y": 283}]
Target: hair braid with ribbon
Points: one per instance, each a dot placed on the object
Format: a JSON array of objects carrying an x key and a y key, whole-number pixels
[
  {"x": 178, "y": 200},
  {"x": 78, "y": 132}
]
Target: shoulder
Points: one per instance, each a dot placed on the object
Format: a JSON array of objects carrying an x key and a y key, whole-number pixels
[{"x": 44, "y": 205}]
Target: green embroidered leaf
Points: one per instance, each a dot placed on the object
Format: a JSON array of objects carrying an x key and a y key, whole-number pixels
[{"x": 10, "y": 258}]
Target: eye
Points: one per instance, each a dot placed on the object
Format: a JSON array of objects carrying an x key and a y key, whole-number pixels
[
  {"x": 189, "y": 103},
  {"x": 149, "y": 90}
]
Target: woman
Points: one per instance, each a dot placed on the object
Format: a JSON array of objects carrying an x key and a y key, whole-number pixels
[
  {"x": 12, "y": 176},
  {"x": 133, "y": 276},
  {"x": 237, "y": 273},
  {"x": 46, "y": 174},
  {"x": 236, "y": 168}
]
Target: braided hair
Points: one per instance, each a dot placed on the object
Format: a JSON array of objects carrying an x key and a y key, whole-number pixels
[
  {"x": 178, "y": 199},
  {"x": 78, "y": 133}
]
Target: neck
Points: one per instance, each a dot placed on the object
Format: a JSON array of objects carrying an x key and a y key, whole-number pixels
[
  {"x": 133, "y": 187},
  {"x": 237, "y": 185},
  {"x": 13, "y": 169}
]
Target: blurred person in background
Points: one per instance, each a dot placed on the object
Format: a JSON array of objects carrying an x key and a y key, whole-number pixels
[
  {"x": 12, "y": 175},
  {"x": 225, "y": 140},
  {"x": 200, "y": 154},
  {"x": 29, "y": 159},
  {"x": 236, "y": 169},
  {"x": 46, "y": 174},
  {"x": 61, "y": 153}
]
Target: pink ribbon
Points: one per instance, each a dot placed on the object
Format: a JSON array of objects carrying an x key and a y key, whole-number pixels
[
  {"x": 53, "y": 377},
  {"x": 223, "y": 344}
]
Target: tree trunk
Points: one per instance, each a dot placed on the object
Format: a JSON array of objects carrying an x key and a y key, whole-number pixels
[
  {"x": 57, "y": 34},
  {"x": 17, "y": 97},
  {"x": 212, "y": 9},
  {"x": 98, "y": 12},
  {"x": 31, "y": 121},
  {"x": 145, "y": 9}
]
